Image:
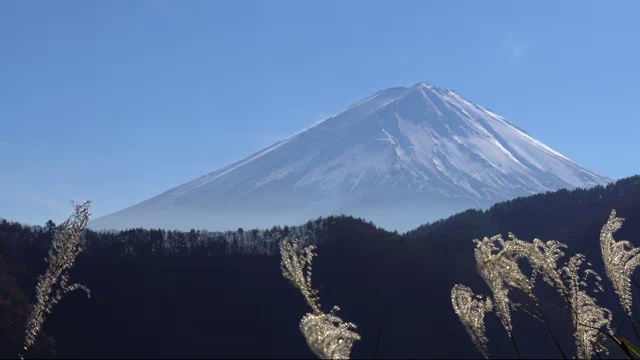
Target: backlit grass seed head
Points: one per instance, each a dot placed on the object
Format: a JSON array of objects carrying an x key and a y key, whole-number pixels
[
  {"x": 497, "y": 264},
  {"x": 327, "y": 335},
  {"x": 54, "y": 283},
  {"x": 544, "y": 257},
  {"x": 471, "y": 310},
  {"x": 587, "y": 315},
  {"x": 296, "y": 267},
  {"x": 620, "y": 258}
]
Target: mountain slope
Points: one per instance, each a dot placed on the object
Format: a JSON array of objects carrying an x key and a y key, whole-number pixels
[{"x": 401, "y": 157}]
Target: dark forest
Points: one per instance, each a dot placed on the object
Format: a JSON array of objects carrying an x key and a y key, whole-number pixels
[{"x": 162, "y": 294}]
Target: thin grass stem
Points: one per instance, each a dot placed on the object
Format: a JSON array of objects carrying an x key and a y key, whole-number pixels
[{"x": 546, "y": 324}]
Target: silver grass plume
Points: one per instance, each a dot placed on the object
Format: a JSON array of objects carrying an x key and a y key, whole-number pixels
[
  {"x": 471, "y": 309},
  {"x": 497, "y": 264},
  {"x": 499, "y": 269},
  {"x": 620, "y": 258},
  {"x": 543, "y": 257},
  {"x": 54, "y": 283},
  {"x": 588, "y": 317},
  {"x": 327, "y": 335},
  {"x": 296, "y": 267}
]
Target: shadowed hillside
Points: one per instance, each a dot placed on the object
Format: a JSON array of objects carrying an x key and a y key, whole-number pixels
[{"x": 159, "y": 293}]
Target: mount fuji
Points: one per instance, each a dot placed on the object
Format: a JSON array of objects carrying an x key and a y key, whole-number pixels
[{"x": 400, "y": 158}]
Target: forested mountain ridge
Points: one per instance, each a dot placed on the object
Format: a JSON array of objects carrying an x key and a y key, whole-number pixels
[
  {"x": 167, "y": 293},
  {"x": 555, "y": 208}
]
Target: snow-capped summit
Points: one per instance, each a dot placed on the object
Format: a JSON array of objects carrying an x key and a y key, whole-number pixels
[{"x": 401, "y": 157}]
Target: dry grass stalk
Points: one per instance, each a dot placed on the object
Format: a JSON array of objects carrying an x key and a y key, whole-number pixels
[
  {"x": 471, "y": 309},
  {"x": 54, "y": 283},
  {"x": 327, "y": 335},
  {"x": 620, "y": 258}
]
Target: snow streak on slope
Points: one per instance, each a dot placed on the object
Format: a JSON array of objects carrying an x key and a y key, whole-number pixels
[{"x": 418, "y": 152}]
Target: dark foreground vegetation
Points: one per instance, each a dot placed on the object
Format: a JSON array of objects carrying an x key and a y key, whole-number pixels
[{"x": 160, "y": 294}]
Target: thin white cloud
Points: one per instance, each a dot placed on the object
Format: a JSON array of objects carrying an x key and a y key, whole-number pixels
[
  {"x": 517, "y": 51},
  {"x": 514, "y": 47}
]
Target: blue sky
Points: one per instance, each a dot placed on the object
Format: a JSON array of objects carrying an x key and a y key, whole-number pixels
[{"x": 117, "y": 101}]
